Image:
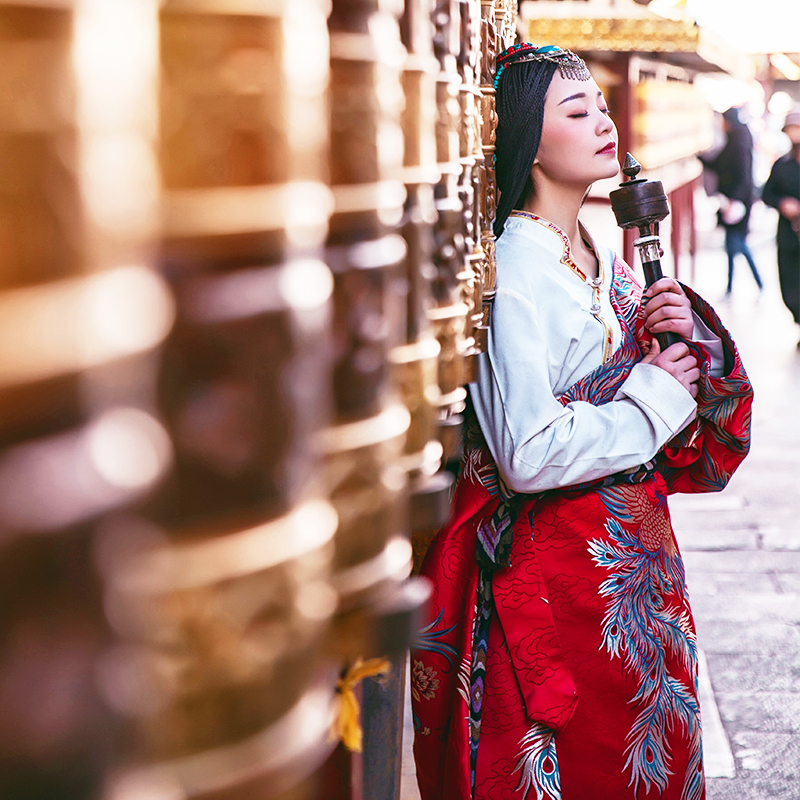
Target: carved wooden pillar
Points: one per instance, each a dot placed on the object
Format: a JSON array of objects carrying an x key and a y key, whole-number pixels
[
  {"x": 81, "y": 316},
  {"x": 219, "y": 585}
]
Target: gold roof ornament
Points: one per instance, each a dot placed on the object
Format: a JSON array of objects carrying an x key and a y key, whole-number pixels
[{"x": 678, "y": 37}]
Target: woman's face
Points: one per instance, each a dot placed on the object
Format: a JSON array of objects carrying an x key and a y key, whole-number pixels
[{"x": 579, "y": 140}]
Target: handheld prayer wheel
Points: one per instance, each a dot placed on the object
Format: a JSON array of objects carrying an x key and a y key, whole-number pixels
[{"x": 642, "y": 204}]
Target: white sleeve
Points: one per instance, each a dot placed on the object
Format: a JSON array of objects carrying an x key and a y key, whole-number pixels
[
  {"x": 537, "y": 443},
  {"x": 712, "y": 344}
]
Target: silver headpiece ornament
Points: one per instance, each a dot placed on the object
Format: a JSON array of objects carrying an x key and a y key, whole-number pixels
[{"x": 571, "y": 66}]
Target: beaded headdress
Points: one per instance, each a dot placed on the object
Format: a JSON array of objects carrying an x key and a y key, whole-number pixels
[{"x": 571, "y": 66}]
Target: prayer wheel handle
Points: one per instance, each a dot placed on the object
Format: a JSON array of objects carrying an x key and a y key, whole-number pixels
[{"x": 642, "y": 204}]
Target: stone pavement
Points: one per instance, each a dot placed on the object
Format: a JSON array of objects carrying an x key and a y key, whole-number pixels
[{"x": 742, "y": 546}]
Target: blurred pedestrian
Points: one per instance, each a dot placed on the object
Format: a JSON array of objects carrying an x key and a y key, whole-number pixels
[
  {"x": 733, "y": 167},
  {"x": 782, "y": 191}
]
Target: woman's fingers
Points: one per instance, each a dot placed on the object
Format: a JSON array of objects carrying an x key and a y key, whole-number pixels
[
  {"x": 665, "y": 292},
  {"x": 666, "y": 319},
  {"x": 664, "y": 285},
  {"x": 666, "y": 288},
  {"x": 653, "y": 352},
  {"x": 687, "y": 364},
  {"x": 677, "y": 351},
  {"x": 666, "y": 300},
  {"x": 688, "y": 373},
  {"x": 679, "y": 362},
  {"x": 668, "y": 309}
]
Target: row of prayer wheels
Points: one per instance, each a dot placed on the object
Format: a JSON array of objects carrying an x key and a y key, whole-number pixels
[{"x": 246, "y": 270}]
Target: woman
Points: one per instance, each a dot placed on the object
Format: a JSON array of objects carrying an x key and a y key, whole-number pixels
[
  {"x": 733, "y": 167},
  {"x": 559, "y": 660}
]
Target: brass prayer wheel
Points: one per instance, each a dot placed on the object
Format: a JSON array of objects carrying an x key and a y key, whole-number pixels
[
  {"x": 416, "y": 360},
  {"x": 449, "y": 312},
  {"x": 467, "y": 39},
  {"x": 471, "y": 155},
  {"x": 247, "y": 268},
  {"x": 468, "y": 36},
  {"x": 218, "y": 586},
  {"x": 274, "y": 764},
  {"x": 366, "y": 481},
  {"x": 83, "y": 315},
  {"x": 226, "y": 612}
]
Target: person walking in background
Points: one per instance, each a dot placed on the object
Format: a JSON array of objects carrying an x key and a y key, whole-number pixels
[
  {"x": 733, "y": 167},
  {"x": 782, "y": 191}
]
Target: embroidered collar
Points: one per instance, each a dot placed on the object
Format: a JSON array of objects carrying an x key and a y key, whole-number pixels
[
  {"x": 595, "y": 284},
  {"x": 566, "y": 257}
]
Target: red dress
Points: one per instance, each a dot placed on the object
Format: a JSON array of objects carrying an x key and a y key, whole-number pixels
[{"x": 559, "y": 660}]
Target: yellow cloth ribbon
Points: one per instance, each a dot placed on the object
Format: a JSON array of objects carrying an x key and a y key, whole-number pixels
[{"x": 347, "y": 725}]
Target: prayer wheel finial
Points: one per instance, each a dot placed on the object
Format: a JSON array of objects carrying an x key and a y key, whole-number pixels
[{"x": 638, "y": 203}]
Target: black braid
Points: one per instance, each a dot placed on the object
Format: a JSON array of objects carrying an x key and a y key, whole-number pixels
[{"x": 520, "y": 111}]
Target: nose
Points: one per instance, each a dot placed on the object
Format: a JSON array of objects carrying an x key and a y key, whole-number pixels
[{"x": 605, "y": 124}]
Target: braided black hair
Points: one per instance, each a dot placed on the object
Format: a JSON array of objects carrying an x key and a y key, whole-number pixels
[{"x": 520, "y": 113}]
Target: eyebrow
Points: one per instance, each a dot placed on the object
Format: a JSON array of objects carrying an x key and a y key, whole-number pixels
[{"x": 577, "y": 97}]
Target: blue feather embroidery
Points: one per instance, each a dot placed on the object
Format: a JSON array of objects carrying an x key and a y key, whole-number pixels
[
  {"x": 429, "y": 639},
  {"x": 637, "y": 628},
  {"x": 539, "y": 765}
]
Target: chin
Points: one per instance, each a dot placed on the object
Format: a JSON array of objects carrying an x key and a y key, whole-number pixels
[
  {"x": 612, "y": 168},
  {"x": 586, "y": 177},
  {"x": 614, "y": 171}
]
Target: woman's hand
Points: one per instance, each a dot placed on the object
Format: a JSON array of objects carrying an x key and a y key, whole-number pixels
[
  {"x": 678, "y": 362},
  {"x": 665, "y": 307}
]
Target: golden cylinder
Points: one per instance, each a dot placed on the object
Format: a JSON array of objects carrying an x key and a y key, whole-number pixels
[{"x": 219, "y": 586}]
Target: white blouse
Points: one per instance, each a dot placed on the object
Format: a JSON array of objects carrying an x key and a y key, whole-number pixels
[{"x": 550, "y": 327}]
